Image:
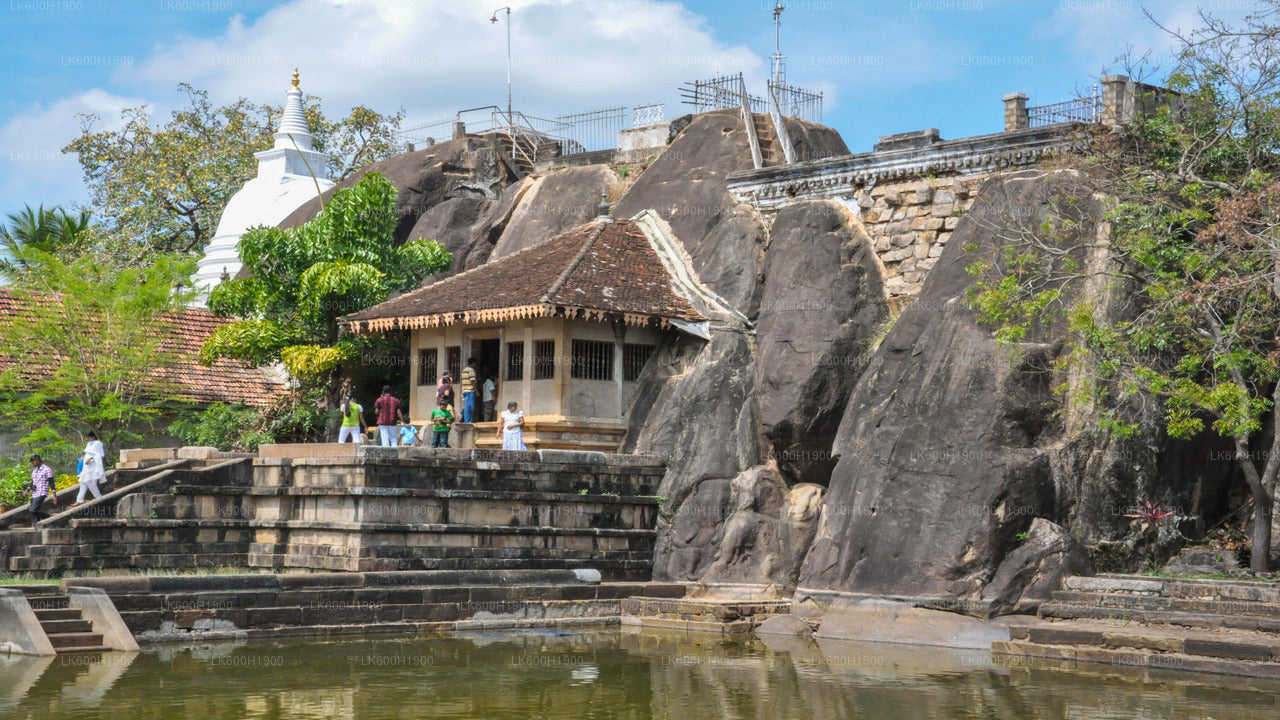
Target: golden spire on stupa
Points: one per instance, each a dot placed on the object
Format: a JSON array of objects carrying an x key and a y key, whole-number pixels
[{"x": 295, "y": 78}]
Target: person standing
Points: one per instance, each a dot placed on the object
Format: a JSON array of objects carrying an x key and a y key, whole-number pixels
[
  {"x": 353, "y": 424},
  {"x": 388, "y": 409},
  {"x": 488, "y": 398},
  {"x": 41, "y": 488},
  {"x": 469, "y": 391},
  {"x": 441, "y": 418},
  {"x": 93, "y": 469},
  {"x": 511, "y": 429},
  {"x": 408, "y": 433}
]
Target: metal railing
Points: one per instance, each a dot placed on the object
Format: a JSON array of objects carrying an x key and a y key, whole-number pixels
[
  {"x": 650, "y": 114},
  {"x": 797, "y": 102},
  {"x": 590, "y": 131},
  {"x": 1086, "y": 109},
  {"x": 720, "y": 93},
  {"x": 780, "y": 127}
]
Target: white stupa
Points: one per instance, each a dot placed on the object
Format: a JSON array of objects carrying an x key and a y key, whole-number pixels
[{"x": 288, "y": 174}]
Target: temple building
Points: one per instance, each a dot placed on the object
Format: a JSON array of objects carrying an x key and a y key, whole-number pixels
[
  {"x": 567, "y": 327},
  {"x": 289, "y": 174}
]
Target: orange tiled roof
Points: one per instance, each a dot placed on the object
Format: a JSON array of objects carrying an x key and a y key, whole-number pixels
[
  {"x": 225, "y": 381},
  {"x": 602, "y": 271}
]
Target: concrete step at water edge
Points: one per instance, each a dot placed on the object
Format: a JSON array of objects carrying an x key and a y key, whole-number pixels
[
  {"x": 1137, "y": 658},
  {"x": 75, "y": 625},
  {"x": 75, "y": 639},
  {"x": 704, "y": 609},
  {"x": 1147, "y": 602},
  {"x": 1234, "y": 645},
  {"x": 130, "y": 602},
  {"x": 1209, "y": 621},
  {"x": 84, "y": 650},
  {"x": 736, "y": 627}
]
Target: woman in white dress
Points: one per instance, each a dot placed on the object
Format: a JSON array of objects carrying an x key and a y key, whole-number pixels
[
  {"x": 93, "y": 471},
  {"x": 511, "y": 428}
]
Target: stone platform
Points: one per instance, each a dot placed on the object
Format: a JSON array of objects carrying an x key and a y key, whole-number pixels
[
  {"x": 375, "y": 509},
  {"x": 1210, "y": 626},
  {"x": 207, "y": 607}
]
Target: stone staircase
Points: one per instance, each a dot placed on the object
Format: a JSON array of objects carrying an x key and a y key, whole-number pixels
[
  {"x": 770, "y": 147},
  {"x": 187, "y": 607},
  {"x": 67, "y": 629},
  {"x": 729, "y": 616},
  {"x": 1216, "y": 626},
  {"x": 522, "y": 151}
]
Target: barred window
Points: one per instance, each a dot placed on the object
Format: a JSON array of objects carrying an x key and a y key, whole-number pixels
[
  {"x": 592, "y": 360},
  {"x": 454, "y": 363},
  {"x": 544, "y": 359},
  {"x": 427, "y": 367},
  {"x": 515, "y": 361},
  {"x": 633, "y": 359}
]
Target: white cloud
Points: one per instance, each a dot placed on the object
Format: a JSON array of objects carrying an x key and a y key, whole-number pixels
[
  {"x": 434, "y": 58},
  {"x": 33, "y": 169}
]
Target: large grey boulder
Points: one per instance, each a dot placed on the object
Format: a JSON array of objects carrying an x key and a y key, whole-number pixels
[
  {"x": 466, "y": 168},
  {"x": 944, "y": 448},
  {"x": 823, "y": 303},
  {"x": 1031, "y": 573},
  {"x": 695, "y": 410},
  {"x": 554, "y": 203}
]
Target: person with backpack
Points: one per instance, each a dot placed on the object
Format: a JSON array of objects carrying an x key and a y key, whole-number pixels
[
  {"x": 353, "y": 424},
  {"x": 388, "y": 409}
]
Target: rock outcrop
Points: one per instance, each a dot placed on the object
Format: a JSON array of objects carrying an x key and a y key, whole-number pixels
[
  {"x": 452, "y": 192},
  {"x": 552, "y": 204}
]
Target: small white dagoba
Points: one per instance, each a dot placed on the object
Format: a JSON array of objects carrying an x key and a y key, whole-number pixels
[{"x": 287, "y": 177}]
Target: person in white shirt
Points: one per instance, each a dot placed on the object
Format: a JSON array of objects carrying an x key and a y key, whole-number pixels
[
  {"x": 511, "y": 429},
  {"x": 94, "y": 470},
  {"x": 487, "y": 399}
]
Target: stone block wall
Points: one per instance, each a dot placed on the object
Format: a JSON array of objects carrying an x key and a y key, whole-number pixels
[{"x": 910, "y": 223}]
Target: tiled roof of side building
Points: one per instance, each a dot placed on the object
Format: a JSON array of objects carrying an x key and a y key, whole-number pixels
[
  {"x": 599, "y": 270},
  {"x": 225, "y": 381}
]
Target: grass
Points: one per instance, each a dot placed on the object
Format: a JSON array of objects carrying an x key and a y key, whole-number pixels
[{"x": 29, "y": 581}]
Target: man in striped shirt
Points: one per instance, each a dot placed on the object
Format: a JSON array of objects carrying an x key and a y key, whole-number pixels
[
  {"x": 469, "y": 390},
  {"x": 41, "y": 487}
]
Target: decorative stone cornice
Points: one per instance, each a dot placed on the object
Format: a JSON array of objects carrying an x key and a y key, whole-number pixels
[{"x": 769, "y": 189}]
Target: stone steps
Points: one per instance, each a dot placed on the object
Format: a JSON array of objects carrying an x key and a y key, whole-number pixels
[
  {"x": 1253, "y": 654},
  {"x": 1160, "y": 617},
  {"x": 703, "y": 614},
  {"x": 65, "y": 627},
  {"x": 1145, "y": 603},
  {"x": 173, "y": 608},
  {"x": 1212, "y": 626}
]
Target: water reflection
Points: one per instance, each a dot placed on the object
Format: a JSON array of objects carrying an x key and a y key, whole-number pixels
[{"x": 605, "y": 675}]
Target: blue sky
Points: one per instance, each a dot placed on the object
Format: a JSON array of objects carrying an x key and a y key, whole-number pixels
[{"x": 885, "y": 67}]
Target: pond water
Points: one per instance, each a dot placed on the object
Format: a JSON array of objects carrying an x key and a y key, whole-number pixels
[{"x": 603, "y": 675}]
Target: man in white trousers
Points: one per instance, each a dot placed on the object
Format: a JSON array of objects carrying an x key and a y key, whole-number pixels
[{"x": 94, "y": 470}]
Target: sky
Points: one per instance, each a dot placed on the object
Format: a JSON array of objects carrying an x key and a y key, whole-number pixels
[{"x": 883, "y": 67}]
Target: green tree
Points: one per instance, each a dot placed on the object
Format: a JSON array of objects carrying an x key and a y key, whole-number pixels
[
  {"x": 87, "y": 350},
  {"x": 48, "y": 231},
  {"x": 303, "y": 279},
  {"x": 162, "y": 188},
  {"x": 1193, "y": 258}
]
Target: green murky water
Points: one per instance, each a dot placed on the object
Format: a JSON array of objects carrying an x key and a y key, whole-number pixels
[{"x": 601, "y": 675}]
